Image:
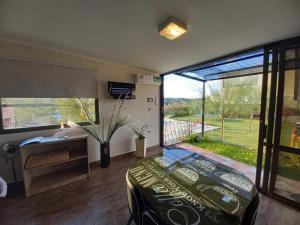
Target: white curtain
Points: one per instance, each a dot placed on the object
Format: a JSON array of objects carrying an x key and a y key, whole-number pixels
[{"x": 24, "y": 79}]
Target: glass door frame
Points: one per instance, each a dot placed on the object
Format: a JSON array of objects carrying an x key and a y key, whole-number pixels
[
  {"x": 265, "y": 128},
  {"x": 161, "y": 111},
  {"x": 270, "y": 131}
]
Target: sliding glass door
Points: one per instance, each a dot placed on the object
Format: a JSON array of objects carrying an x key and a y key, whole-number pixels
[
  {"x": 278, "y": 156},
  {"x": 279, "y": 146},
  {"x": 285, "y": 176}
]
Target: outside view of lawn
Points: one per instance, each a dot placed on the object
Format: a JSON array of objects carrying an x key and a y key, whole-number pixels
[
  {"x": 214, "y": 109},
  {"x": 232, "y": 112},
  {"x": 231, "y": 108},
  {"x": 239, "y": 142}
]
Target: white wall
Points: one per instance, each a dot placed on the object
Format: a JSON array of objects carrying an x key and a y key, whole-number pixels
[{"x": 137, "y": 110}]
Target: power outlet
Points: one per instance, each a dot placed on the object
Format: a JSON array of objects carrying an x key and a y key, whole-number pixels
[{"x": 149, "y": 100}]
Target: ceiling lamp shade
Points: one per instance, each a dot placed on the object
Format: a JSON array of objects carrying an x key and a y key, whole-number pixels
[{"x": 172, "y": 29}]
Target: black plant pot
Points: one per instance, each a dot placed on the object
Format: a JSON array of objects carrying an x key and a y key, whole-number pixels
[{"x": 105, "y": 155}]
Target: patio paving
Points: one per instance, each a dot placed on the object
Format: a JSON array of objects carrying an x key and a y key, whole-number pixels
[
  {"x": 284, "y": 186},
  {"x": 247, "y": 170}
]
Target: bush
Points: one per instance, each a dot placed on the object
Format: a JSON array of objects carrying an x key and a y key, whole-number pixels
[
  {"x": 191, "y": 139},
  {"x": 289, "y": 160},
  {"x": 178, "y": 109}
]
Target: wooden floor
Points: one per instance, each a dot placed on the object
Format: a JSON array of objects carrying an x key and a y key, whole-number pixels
[{"x": 103, "y": 200}]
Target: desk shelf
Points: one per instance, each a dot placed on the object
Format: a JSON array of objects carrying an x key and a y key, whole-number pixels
[
  {"x": 57, "y": 179},
  {"x": 45, "y": 176},
  {"x": 72, "y": 156}
]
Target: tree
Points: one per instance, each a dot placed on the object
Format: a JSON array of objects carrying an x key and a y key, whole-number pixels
[
  {"x": 31, "y": 111},
  {"x": 234, "y": 97},
  {"x": 217, "y": 101},
  {"x": 70, "y": 109},
  {"x": 252, "y": 103}
]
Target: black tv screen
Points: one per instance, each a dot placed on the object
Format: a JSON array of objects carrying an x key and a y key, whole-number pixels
[{"x": 120, "y": 90}]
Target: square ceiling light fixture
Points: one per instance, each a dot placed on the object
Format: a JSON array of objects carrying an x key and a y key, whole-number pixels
[{"x": 172, "y": 29}]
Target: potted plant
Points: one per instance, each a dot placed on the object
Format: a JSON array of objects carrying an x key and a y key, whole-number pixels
[
  {"x": 106, "y": 128},
  {"x": 141, "y": 140}
]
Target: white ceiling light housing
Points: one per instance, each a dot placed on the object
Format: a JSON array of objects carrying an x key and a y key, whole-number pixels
[{"x": 172, "y": 29}]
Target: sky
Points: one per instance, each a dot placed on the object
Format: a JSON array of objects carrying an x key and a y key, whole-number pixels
[{"x": 180, "y": 87}]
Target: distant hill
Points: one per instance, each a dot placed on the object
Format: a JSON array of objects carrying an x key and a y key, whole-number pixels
[{"x": 176, "y": 100}]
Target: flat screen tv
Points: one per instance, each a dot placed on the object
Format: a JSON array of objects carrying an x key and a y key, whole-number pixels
[{"x": 121, "y": 90}]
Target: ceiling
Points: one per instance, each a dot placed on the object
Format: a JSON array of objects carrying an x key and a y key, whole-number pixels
[{"x": 125, "y": 31}]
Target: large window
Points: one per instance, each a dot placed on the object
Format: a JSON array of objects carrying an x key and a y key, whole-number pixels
[{"x": 22, "y": 114}]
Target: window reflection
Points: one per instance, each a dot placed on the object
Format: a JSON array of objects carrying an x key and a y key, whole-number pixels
[{"x": 290, "y": 131}]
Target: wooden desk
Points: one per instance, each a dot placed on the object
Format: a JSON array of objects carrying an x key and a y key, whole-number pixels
[{"x": 54, "y": 163}]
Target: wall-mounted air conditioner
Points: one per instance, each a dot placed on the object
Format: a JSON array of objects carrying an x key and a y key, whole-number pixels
[{"x": 147, "y": 79}]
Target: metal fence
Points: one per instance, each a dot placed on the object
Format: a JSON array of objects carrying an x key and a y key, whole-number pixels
[{"x": 176, "y": 131}]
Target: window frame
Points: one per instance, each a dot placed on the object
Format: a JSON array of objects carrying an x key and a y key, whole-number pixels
[{"x": 40, "y": 128}]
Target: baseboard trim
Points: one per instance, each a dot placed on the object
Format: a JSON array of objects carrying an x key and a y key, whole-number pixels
[
  {"x": 153, "y": 147},
  {"x": 124, "y": 154},
  {"x": 97, "y": 162}
]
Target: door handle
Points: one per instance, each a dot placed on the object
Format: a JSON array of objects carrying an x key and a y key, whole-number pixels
[{"x": 264, "y": 127}]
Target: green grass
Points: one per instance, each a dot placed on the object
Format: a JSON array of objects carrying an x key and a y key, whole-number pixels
[
  {"x": 289, "y": 165},
  {"x": 286, "y": 130},
  {"x": 241, "y": 144},
  {"x": 244, "y": 155},
  {"x": 236, "y": 131},
  {"x": 231, "y": 151}
]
